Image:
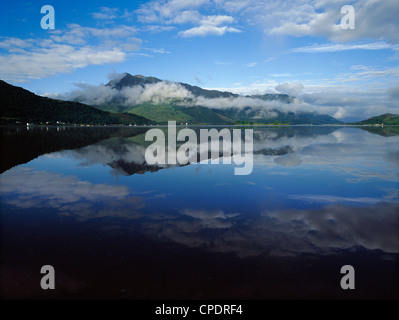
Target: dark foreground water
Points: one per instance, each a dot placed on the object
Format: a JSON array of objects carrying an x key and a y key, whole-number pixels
[{"x": 84, "y": 201}]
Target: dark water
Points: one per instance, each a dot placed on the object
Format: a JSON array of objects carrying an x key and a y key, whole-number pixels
[{"x": 84, "y": 201}]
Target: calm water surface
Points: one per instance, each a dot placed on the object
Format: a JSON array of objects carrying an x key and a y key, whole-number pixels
[{"x": 84, "y": 201}]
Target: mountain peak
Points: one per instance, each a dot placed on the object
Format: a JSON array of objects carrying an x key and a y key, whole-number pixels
[{"x": 127, "y": 80}]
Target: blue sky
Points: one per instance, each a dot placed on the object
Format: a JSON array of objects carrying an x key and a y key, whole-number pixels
[{"x": 245, "y": 46}]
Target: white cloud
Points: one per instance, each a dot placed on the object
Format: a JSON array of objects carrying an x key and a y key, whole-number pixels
[
  {"x": 344, "y": 47},
  {"x": 251, "y": 64},
  {"x": 348, "y": 102},
  {"x": 157, "y": 93},
  {"x": 210, "y": 25},
  {"x": 46, "y": 62},
  {"x": 12, "y": 44},
  {"x": 293, "y": 89},
  {"x": 170, "y": 12},
  {"x": 65, "y": 51},
  {"x": 217, "y": 20},
  {"x": 205, "y": 30},
  {"x": 117, "y": 32},
  {"x": 184, "y": 17},
  {"x": 357, "y": 94},
  {"x": 150, "y": 93},
  {"x": 161, "y": 50},
  {"x": 281, "y": 75},
  {"x": 157, "y": 28},
  {"x": 374, "y": 19},
  {"x": 365, "y": 72},
  {"x": 106, "y": 13},
  {"x": 178, "y": 12}
]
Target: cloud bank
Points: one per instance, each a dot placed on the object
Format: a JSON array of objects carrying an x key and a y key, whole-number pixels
[
  {"x": 374, "y": 19},
  {"x": 65, "y": 51},
  {"x": 183, "y": 13}
]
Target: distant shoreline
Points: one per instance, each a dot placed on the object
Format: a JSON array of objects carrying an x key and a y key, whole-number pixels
[{"x": 190, "y": 125}]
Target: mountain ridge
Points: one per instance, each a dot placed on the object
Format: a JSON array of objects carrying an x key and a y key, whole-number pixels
[
  {"x": 383, "y": 119},
  {"x": 183, "y": 110},
  {"x": 20, "y": 105}
]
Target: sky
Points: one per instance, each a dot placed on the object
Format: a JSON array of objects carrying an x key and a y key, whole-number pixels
[{"x": 302, "y": 48}]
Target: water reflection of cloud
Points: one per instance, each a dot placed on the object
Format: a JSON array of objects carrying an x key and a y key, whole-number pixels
[
  {"x": 342, "y": 227},
  {"x": 212, "y": 219},
  {"x": 324, "y": 198},
  {"x": 391, "y": 194},
  {"x": 285, "y": 233},
  {"x": 392, "y": 156},
  {"x": 55, "y": 186},
  {"x": 345, "y": 151},
  {"x": 356, "y": 175},
  {"x": 288, "y": 160},
  {"x": 28, "y": 188}
]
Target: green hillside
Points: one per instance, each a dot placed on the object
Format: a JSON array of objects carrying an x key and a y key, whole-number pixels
[
  {"x": 248, "y": 115},
  {"x": 20, "y": 105},
  {"x": 206, "y": 115},
  {"x": 386, "y": 119},
  {"x": 201, "y": 115},
  {"x": 163, "y": 113},
  {"x": 160, "y": 113}
]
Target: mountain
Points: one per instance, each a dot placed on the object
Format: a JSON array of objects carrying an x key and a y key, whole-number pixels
[
  {"x": 24, "y": 145},
  {"x": 20, "y": 105},
  {"x": 184, "y": 110},
  {"x": 127, "y": 80},
  {"x": 386, "y": 119}
]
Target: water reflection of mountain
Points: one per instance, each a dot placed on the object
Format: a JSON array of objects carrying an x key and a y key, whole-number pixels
[
  {"x": 126, "y": 155},
  {"x": 21, "y": 145},
  {"x": 123, "y": 149},
  {"x": 386, "y": 131}
]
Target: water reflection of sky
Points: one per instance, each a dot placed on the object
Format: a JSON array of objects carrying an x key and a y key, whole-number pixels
[{"x": 308, "y": 192}]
